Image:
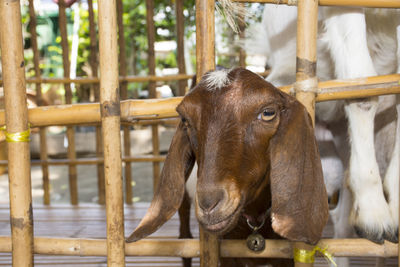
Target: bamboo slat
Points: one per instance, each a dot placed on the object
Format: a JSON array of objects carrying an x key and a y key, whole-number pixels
[
  {"x": 89, "y": 161},
  {"x": 72, "y": 172},
  {"x": 13, "y": 68},
  {"x": 45, "y": 168},
  {"x": 360, "y": 3},
  {"x": 180, "y": 33},
  {"x": 242, "y": 52},
  {"x": 151, "y": 59},
  {"x": 130, "y": 78},
  {"x": 110, "y": 118},
  {"x": 39, "y": 101},
  {"x": 95, "y": 88},
  {"x": 124, "y": 96}
]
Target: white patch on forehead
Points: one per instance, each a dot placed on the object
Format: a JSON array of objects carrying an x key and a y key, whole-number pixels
[{"x": 217, "y": 79}]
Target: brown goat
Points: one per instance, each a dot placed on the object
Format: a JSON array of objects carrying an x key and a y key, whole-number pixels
[{"x": 256, "y": 151}]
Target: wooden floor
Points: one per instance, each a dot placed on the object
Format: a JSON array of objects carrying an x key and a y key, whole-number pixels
[{"x": 89, "y": 221}]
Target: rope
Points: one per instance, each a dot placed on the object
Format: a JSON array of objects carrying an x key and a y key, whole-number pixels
[
  {"x": 307, "y": 256},
  {"x": 308, "y": 85},
  {"x": 17, "y": 137}
]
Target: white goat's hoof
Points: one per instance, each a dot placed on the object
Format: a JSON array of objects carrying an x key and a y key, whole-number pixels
[{"x": 374, "y": 222}]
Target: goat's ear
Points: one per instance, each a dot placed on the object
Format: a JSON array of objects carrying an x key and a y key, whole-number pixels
[
  {"x": 171, "y": 188},
  {"x": 299, "y": 200}
]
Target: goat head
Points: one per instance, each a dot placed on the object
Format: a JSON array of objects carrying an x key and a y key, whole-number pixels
[{"x": 249, "y": 140}]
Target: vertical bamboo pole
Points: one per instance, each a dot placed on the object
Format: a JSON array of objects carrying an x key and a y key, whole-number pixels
[
  {"x": 205, "y": 61},
  {"x": 151, "y": 36},
  {"x": 124, "y": 95},
  {"x": 180, "y": 32},
  {"x": 205, "y": 36},
  {"x": 306, "y": 81},
  {"x": 39, "y": 100},
  {"x": 16, "y": 122},
  {"x": 242, "y": 53},
  {"x": 110, "y": 122},
  {"x": 73, "y": 183},
  {"x": 95, "y": 87}
]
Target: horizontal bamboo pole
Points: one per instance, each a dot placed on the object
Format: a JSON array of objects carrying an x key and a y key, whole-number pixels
[
  {"x": 359, "y": 3},
  {"x": 355, "y": 88},
  {"x": 191, "y": 248},
  {"x": 89, "y": 161},
  {"x": 131, "y": 79},
  {"x": 131, "y": 111},
  {"x": 86, "y": 80},
  {"x": 136, "y": 110}
]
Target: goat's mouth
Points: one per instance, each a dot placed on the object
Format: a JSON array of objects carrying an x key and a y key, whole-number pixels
[{"x": 220, "y": 222}]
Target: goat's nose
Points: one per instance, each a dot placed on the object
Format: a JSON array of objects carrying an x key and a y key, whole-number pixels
[{"x": 208, "y": 200}]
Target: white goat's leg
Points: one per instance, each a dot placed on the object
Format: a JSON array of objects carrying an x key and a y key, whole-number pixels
[
  {"x": 370, "y": 215},
  {"x": 391, "y": 182},
  {"x": 392, "y": 176}
]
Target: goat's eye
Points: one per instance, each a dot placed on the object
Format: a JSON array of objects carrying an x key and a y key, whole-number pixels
[
  {"x": 185, "y": 122},
  {"x": 267, "y": 115}
]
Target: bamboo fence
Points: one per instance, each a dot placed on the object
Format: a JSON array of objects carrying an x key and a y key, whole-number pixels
[{"x": 111, "y": 113}]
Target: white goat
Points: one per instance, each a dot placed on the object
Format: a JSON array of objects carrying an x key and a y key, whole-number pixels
[{"x": 352, "y": 43}]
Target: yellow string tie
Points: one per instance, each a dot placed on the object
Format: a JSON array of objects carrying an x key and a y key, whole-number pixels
[
  {"x": 17, "y": 137},
  {"x": 307, "y": 256}
]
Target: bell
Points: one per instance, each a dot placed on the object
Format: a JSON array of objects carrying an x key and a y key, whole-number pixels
[{"x": 255, "y": 242}]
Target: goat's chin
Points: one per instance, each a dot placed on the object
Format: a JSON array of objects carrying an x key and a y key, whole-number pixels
[{"x": 222, "y": 227}]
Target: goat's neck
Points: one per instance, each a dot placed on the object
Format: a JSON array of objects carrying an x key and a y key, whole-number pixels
[
  {"x": 254, "y": 210},
  {"x": 258, "y": 210}
]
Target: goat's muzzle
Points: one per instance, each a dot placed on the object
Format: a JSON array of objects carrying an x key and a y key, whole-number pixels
[{"x": 218, "y": 209}]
